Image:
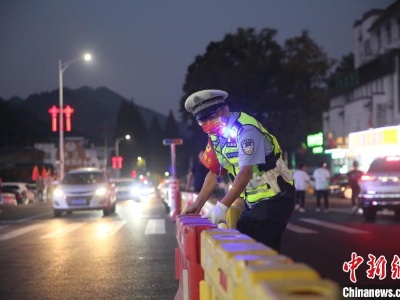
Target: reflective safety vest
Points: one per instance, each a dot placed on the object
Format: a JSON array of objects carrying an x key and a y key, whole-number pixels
[{"x": 227, "y": 155}]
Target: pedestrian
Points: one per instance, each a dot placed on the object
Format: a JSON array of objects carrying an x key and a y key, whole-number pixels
[
  {"x": 322, "y": 178},
  {"x": 197, "y": 174},
  {"x": 301, "y": 183},
  {"x": 48, "y": 186},
  {"x": 354, "y": 176},
  {"x": 40, "y": 186},
  {"x": 253, "y": 160}
]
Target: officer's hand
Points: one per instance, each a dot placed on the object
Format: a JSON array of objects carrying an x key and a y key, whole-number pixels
[
  {"x": 190, "y": 209},
  {"x": 218, "y": 213}
]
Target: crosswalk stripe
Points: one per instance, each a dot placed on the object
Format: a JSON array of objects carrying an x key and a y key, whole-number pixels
[
  {"x": 299, "y": 229},
  {"x": 333, "y": 226},
  {"x": 20, "y": 231},
  {"x": 62, "y": 231},
  {"x": 109, "y": 229},
  {"x": 155, "y": 226}
]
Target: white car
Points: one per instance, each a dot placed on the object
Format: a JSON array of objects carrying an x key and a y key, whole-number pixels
[
  {"x": 380, "y": 187},
  {"x": 130, "y": 189},
  {"x": 19, "y": 189},
  {"x": 84, "y": 189}
]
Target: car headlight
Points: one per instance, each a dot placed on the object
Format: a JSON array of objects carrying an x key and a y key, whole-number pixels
[
  {"x": 101, "y": 191},
  {"x": 58, "y": 192},
  {"x": 136, "y": 190}
]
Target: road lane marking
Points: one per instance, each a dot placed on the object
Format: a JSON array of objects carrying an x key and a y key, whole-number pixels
[
  {"x": 110, "y": 228},
  {"x": 300, "y": 229},
  {"x": 21, "y": 231},
  {"x": 333, "y": 226},
  {"x": 155, "y": 226},
  {"x": 62, "y": 231},
  {"x": 33, "y": 217}
]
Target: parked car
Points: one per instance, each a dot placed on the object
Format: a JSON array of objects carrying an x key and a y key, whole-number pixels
[
  {"x": 380, "y": 187},
  {"x": 19, "y": 189},
  {"x": 8, "y": 199},
  {"x": 339, "y": 186},
  {"x": 84, "y": 189}
]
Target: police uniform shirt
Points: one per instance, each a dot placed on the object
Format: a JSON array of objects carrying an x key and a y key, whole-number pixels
[{"x": 252, "y": 145}]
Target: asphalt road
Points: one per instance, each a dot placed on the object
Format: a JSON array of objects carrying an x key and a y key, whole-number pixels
[
  {"x": 325, "y": 241},
  {"x": 129, "y": 255}
]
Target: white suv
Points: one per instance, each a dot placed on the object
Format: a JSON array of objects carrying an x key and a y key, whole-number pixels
[
  {"x": 380, "y": 187},
  {"x": 84, "y": 189}
]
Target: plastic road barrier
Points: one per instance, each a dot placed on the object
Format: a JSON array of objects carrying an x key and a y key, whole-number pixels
[
  {"x": 187, "y": 256},
  {"x": 224, "y": 264},
  {"x": 322, "y": 289}
]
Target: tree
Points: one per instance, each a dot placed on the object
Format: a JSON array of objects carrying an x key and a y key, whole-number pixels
[
  {"x": 130, "y": 121},
  {"x": 302, "y": 90},
  {"x": 157, "y": 153},
  {"x": 345, "y": 66},
  {"x": 283, "y": 87}
]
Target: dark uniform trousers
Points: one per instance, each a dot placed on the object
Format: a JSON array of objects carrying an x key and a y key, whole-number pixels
[{"x": 267, "y": 220}]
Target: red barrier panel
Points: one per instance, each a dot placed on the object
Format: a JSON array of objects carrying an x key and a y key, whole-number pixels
[
  {"x": 176, "y": 204},
  {"x": 187, "y": 258}
]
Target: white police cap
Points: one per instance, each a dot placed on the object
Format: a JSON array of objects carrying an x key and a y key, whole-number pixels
[{"x": 205, "y": 102}]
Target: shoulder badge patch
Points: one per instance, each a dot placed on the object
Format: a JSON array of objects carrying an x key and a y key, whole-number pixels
[{"x": 248, "y": 146}]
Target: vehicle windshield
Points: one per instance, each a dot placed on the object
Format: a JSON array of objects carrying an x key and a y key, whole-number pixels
[
  {"x": 126, "y": 183},
  {"x": 385, "y": 165},
  {"x": 84, "y": 178}
]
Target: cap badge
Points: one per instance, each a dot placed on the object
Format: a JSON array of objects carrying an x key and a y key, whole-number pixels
[{"x": 197, "y": 100}]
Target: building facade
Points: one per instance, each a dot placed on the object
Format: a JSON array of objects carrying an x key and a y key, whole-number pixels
[{"x": 364, "y": 114}]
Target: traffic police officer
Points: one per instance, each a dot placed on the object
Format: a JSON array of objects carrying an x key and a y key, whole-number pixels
[{"x": 253, "y": 159}]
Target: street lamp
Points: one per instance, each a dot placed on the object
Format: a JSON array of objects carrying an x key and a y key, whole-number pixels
[
  {"x": 61, "y": 68},
  {"x": 127, "y": 137}
]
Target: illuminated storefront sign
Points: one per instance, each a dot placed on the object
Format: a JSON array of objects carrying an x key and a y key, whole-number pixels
[
  {"x": 315, "y": 142},
  {"x": 384, "y": 136}
]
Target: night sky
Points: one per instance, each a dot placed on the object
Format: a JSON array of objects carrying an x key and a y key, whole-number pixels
[{"x": 141, "y": 49}]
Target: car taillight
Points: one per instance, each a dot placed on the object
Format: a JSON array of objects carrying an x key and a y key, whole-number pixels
[{"x": 367, "y": 177}]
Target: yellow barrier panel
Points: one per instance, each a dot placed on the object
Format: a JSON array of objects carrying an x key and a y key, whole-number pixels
[
  {"x": 219, "y": 273},
  {"x": 211, "y": 238},
  {"x": 274, "y": 272},
  {"x": 205, "y": 291},
  {"x": 240, "y": 262},
  {"x": 234, "y": 285},
  {"x": 322, "y": 289},
  {"x": 232, "y": 216},
  {"x": 213, "y": 241}
]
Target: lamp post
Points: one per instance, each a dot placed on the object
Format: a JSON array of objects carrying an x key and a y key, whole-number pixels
[
  {"x": 61, "y": 68},
  {"x": 126, "y": 137}
]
